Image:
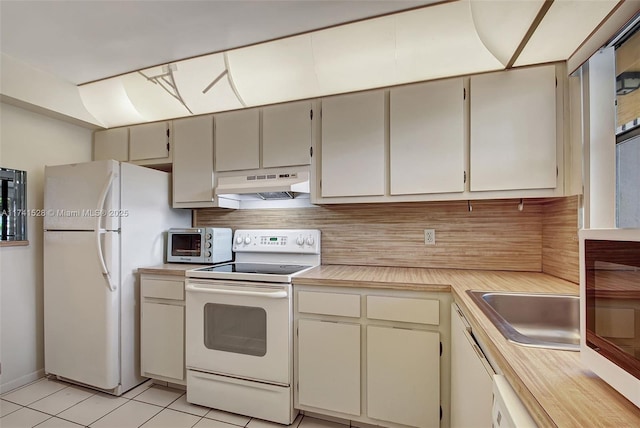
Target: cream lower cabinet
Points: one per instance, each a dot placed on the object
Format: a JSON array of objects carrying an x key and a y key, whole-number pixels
[
  {"x": 162, "y": 328},
  {"x": 329, "y": 365},
  {"x": 372, "y": 356},
  {"x": 403, "y": 376}
]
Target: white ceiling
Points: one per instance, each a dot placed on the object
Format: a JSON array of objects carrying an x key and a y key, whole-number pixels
[{"x": 87, "y": 40}]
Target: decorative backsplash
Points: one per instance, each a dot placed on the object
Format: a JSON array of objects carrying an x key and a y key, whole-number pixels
[
  {"x": 560, "y": 238},
  {"x": 495, "y": 235}
]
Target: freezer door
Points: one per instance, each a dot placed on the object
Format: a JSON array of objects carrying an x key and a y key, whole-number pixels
[
  {"x": 81, "y": 312},
  {"x": 82, "y": 196}
]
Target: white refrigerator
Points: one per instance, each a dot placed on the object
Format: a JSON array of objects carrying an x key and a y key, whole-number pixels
[{"x": 103, "y": 220}]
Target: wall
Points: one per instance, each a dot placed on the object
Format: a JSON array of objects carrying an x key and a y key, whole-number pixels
[
  {"x": 25, "y": 86},
  {"x": 29, "y": 141},
  {"x": 495, "y": 235}
]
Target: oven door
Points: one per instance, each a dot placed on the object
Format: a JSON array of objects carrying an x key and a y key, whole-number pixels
[{"x": 239, "y": 329}]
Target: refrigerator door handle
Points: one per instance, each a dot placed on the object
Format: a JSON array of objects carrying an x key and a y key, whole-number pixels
[
  {"x": 98, "y": 231},
  {"x": 105, "y": 270},
  {"x": 102, "y": 199}
]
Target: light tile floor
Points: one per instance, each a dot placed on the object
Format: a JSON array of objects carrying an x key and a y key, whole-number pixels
[{"x": 48, "y": 403}]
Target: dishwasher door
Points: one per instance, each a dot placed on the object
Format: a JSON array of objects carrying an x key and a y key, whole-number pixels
[
  {"x": 471, "y": 377},
  {"x": 508, "y": 411}
]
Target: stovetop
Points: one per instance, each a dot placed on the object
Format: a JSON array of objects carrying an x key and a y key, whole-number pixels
[
  {"x": 255, "y": 272},
  {"x": 266, "y": 255},
  {"x": 255, "y": 268}
]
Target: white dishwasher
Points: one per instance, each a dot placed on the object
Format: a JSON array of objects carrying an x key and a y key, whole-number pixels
[
  {"x": 471, "y": 377},
  {"x": 508, "y": 411}
]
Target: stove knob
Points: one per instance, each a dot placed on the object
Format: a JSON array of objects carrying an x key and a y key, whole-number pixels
[
  {"x": 310, "y": 240},
  {"x": 247, "y": 240},
  {"x": 300, "y": 240},
  {"x": 239, "y": 239},
  {"x": 208, "y": 253},
  {"x": 208, "y": 236},
  {"x": 208, "y": 244}
]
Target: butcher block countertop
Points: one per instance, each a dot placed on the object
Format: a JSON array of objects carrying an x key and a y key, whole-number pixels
[{"x": 554, "y": 386}]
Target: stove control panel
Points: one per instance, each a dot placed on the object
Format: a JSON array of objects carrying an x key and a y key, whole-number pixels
[{"x": 305, "y": 241}]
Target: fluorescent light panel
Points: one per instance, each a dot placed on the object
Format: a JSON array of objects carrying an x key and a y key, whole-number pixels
[{"x": 448, "y": 39}]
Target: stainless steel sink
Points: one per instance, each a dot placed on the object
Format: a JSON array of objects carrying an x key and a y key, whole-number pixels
[{"x": 533, "y": 319}]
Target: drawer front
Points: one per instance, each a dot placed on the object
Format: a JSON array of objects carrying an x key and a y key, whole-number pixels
[
  {"x": 344, "y": 305},
  {"x": 420, "y": 311},
  {"x": 163, "y": 289}
]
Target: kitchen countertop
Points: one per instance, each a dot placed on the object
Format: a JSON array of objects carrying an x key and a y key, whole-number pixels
[
  {"x": 554, "y": 386},
  {"x": 178, "y": 269}
]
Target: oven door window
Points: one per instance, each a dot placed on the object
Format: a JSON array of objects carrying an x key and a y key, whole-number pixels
[
  {"x": 237, "y": 329},
  {"x": 186, "y": 245}
]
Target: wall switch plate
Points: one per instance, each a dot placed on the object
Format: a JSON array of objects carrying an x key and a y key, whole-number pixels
[{"x": 429, "y": 237}]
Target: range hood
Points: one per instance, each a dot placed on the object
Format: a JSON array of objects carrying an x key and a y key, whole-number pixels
[{"x": 264, "y": 185}]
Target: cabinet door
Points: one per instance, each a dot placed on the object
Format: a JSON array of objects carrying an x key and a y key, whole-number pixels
[
  {"x": 237, "y": 140},
  {"x": 286, "y": 134},
  {"x": 353, "y": 152},
  {"x": 513, "y": 130},
  {"x": 403, "y": 376},
  {"x": 193, "y": 159},
  {"x": 111, "y": 144},
  {"x": 149, "y": 142},
  {"x": 471, "y": 378},
  {"x": 162, "y": 334},
  {"x": 427, "y": 138},
  {"x": 329, "y": 366}
]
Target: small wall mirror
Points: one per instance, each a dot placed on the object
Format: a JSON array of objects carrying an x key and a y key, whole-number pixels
[{"x": 13, "y": 205}]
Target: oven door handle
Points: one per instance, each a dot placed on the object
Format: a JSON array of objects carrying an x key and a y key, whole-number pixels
[{"x": 281, "y": 294}]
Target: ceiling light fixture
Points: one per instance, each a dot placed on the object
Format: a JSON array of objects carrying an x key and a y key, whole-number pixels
[{"x": 168, "y": 83}]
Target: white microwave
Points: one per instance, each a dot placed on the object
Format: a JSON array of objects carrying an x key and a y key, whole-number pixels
[
  {"x": 610, "y": 307},
  {"x": 204, "y": 245}
]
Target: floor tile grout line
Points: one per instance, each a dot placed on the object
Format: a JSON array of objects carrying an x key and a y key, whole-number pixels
[
  {"x": 27, "y": 405},
  {"x": 41, "y": 379},
  {"x": 197, "y": 422},
  {"x": 111, "y": 411},
  {"x": 19, "y": 407},
  {"x": 140, "y": 401},
  {"x": 64, "y": 410},
  {"x": 156, "y": 414}
]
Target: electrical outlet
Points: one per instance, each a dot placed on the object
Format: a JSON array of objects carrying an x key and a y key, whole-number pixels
[{"x": 429, "y": 237}]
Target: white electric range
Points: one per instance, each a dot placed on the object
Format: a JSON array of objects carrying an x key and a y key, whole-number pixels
[{"x": 239, "y": 335}]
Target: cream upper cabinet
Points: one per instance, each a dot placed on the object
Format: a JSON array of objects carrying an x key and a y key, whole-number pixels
[
  {"x": 427, "y": 138},
  {"x": 193, "y": 160},
  {"x": 286, "y": 134},
  {"x": 237, "y": 140},
  {"x": 111, "y": 144},
  {"x": 353, "y": 145},
  {"x": 150, "y": 143},
  {"x": 513, "y": 130}
]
